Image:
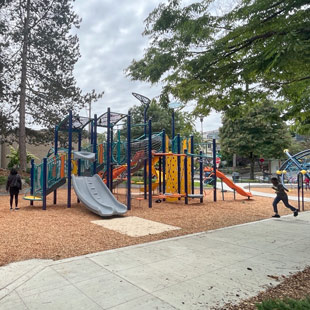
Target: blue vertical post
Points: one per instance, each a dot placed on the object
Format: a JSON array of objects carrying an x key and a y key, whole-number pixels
[
  {"x": 179, "y": 162},
  {"x": 192, "y": 165},
  {"x": 95, "y": 145},
  {"x": 55, "y": 153},
  {"x": 44, "y": 183},
  {"x": 79, "y": 160},
  {"x": 128, "y": 161},
  {"x": 32, "y": 181},
  {"x": 185, "y": 177},
  {"x": 145, "y": 160},
  {"x": 79, "y": 149},
  {"x": 298, "y": 189},
  {"x": 69, "y": 159},
  {"x": 214, "y": 169},
  {"x": 112, "y": 163},
  {"x": 118, "y": 147},
  {"x": 164, "y": 161},
  {"x": 108, "y": 148},
  {"x": 91, "y": 132},
  {"x": 150, "y": 162},
  {"x": 201, "y": 176},
  {"x": 160, "y": 174}
]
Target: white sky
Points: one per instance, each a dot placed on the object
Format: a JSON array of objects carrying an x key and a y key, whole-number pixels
[{"x": 110, "y": 38}]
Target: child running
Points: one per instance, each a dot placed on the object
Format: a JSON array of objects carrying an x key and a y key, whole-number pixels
[
  {"x": 14, "y": 185},
  {"x": 281, "y": 195}
]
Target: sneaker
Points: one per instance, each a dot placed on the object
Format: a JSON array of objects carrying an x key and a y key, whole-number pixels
[
  {"x": 276, "y": 215},
  {"x": 16, "y": 209},
  {"x": 296, "y": 213},
  {"x": 11, "y": 209}
]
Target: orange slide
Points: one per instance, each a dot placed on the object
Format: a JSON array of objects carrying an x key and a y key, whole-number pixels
[{"x": 232, "y": 185}]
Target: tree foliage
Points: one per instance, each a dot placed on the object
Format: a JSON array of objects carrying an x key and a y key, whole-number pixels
[
  {"x": 38, "y": 55},
  {"x": 260, "y": 132},
  {"x": 229, "y": 61},
  {"x": 162, "y": 119}
]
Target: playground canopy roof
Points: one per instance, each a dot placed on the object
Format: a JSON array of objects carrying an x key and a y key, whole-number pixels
[
  {"x": 78, "y": 123},
  {"x": 142, "y": 99},
  {"x": 115, "y": 117}
]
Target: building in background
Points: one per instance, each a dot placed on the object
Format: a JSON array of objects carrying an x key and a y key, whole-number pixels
[{"x": 208, "y": 137}]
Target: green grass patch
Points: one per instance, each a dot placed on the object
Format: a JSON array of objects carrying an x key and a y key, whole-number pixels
[{"x": 286, "y": 304}]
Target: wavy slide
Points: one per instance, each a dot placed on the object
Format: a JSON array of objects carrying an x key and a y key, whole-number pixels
[
  {"x": 96, "y": 196},
  {"x": 232, "y": 185}
]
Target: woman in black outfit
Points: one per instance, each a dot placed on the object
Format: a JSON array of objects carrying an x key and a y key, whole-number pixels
[{"x": 14, "y": 185}]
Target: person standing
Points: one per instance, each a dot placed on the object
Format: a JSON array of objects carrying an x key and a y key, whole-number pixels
[
  {"x": 13, "y": 186},
  {"x": 281, "y": 195}
]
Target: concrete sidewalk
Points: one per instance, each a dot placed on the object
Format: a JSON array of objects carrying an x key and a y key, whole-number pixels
[{"x": 191, "y": 272}]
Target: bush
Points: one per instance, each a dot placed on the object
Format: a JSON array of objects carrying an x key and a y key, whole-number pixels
[
  {"x": 14, "y": 158},
  {"x": 286, "y": 304},
  {"x": 3, "y": 179}
]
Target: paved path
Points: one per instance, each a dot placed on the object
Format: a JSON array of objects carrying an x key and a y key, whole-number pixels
[{"x": 191, "y": 272}]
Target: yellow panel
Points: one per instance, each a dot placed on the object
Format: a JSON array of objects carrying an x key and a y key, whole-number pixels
[
  {"x": 74, "y": 167},
  {"x": 171, "y": 176},
  {"x": 167, "y": 144}
]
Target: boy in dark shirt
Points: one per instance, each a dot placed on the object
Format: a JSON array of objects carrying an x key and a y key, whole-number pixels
[{"x": 281, "y": 195}]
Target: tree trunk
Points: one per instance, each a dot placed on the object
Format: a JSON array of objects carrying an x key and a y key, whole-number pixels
[
  {"x": 252, "y": 164},
  {"x": 22, "y": 101},
  {"x": 234, "y": 161}
]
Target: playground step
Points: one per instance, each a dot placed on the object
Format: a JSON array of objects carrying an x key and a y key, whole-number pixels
[{"x": 195, "y": 196}]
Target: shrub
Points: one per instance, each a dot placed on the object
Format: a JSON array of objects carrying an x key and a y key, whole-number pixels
[
  {"x": 3, "y": 179},
  {"x": 286, "y": 304},
  {"x": 14, "y": 157}
]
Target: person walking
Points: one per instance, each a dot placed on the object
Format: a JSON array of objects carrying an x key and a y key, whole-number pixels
[
  {"x": 13, "y": 186},
  {"x": 281, "y": 195}
]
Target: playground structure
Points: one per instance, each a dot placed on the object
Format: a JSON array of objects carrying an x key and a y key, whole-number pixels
[
  {"x": 95, "y": 169},
  {"x": 294, "y": 170}
]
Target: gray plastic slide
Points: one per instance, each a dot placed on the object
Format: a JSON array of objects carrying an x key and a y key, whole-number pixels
[
  {"x": 84, "y": 155},
  {"x": 96, "y": 196}
]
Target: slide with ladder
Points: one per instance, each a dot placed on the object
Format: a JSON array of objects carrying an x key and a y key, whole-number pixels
[
  {"x": 232, "y": 185},
  {"x": 96, "y": 196}
]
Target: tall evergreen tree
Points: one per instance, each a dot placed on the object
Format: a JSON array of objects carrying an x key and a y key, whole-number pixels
[{"x": 38, "y": 61}]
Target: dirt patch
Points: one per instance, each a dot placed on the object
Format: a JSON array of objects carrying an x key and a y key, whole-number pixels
[
  {"x": 134, "y": 226},
  {"x": 61, "y": 232}
]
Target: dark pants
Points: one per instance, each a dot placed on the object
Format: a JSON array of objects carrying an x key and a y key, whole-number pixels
[
  {"x": 285, "y": 201},
  {"x": 14, "y": 191}
]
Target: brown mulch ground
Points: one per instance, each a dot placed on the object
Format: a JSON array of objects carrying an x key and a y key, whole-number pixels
[{"x": 61, "y": 232}]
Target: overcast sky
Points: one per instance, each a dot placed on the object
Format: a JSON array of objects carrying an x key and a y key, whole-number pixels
[{"x": 110, "y": 38}]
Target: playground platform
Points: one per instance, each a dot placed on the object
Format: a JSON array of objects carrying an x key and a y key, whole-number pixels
[{"x": 197, "y": 271}]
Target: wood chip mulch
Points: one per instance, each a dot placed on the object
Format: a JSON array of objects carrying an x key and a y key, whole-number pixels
[{"x": 61, "y": 232}]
